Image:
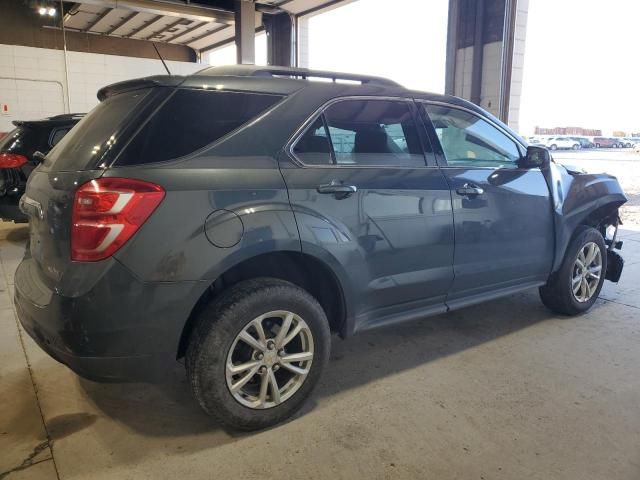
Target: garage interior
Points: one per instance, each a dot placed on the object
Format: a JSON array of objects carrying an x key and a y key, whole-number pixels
[{"x": 501, "y": 390}]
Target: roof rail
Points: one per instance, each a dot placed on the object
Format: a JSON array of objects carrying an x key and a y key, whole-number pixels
[{"x": 291, "y": 72}]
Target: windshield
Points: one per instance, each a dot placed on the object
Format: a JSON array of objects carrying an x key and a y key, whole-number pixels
[{"x": 96, "y": 134}]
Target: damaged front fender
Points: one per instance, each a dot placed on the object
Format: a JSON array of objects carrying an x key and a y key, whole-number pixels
[{"x": 581, "y": 199}]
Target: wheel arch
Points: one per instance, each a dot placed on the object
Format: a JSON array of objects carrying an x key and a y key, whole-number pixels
[{"x": 305, "y": 270}]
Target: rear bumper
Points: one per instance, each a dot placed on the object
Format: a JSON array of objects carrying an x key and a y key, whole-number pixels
[{"x": 119, "y": 329}]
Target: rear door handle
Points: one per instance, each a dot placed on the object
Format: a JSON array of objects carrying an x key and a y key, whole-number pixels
[
  {"x": 469, "y": 189},
  {"x": 338, "y": 189}
]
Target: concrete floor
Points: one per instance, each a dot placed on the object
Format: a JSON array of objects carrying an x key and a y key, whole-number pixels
[{"x": 504, "y": 390}]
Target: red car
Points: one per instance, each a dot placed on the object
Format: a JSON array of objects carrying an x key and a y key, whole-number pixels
[{"x": 608, "y": 142}]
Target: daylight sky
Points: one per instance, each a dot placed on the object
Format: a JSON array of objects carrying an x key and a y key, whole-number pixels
[
  {"x": 582, "y": 66},
  {"x": 581, "y": 62}
]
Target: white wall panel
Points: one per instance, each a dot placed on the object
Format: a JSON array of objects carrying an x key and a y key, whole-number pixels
[{"x": 45, "y": 94}]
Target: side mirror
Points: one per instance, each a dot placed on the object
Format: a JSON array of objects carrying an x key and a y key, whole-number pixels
[
  {"x": 536, "y": 157},
  {"x": 38, "y": 156}
]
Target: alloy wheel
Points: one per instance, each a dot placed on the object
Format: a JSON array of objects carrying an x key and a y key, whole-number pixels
[
  {"x": 269, "y": 359},
  {"x": 586, "y": 272}
]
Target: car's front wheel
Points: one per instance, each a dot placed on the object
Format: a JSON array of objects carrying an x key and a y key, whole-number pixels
[
  {"x": 257, "y": 352},
  {"x": 554, "y": 147},
  {"x": 574, "y": 288}
]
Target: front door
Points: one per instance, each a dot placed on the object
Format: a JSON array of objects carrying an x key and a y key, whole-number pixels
[
  {"x": 502, "y": 213},
  {"x": 363, "y": 194}
]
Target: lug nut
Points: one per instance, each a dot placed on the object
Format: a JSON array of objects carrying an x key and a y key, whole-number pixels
[
  {"x": 281, "y": 353},
  {"x": 263, "y": 370},
  {"x": 276, "y": 367},
  {"x": 260, "y": 356},
  {"x": 271, "y": 345}
]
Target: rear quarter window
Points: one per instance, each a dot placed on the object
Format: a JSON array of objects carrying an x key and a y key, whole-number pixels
[{"x": 190, "y": 120}]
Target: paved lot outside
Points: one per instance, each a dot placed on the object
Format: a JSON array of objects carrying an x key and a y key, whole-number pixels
[{"x": 504, "y": 390}]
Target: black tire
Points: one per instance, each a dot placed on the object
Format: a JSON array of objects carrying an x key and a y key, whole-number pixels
[
  {"x": 576, "y": 146},
  {"x": 557, "y": 294},
  {"x": 217, "y": 326},
  {"x": 554, "y": 147}
]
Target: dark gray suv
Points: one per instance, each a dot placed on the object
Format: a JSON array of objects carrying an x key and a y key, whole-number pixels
[{"x": 238, "y": 216}]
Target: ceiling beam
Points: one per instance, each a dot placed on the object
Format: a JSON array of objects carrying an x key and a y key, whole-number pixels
[
  {"x": 135, "y": 31},
  {"x": 186, "y": 32},
  {"x": 96, "y": 20},
  {"x": 169, "y": 9},
  {"x": 205, "y": 35},
  {"x": 165, "y": 28},
  {"x": 72, "y": 11},
  {"x": 122, "y": 23}
]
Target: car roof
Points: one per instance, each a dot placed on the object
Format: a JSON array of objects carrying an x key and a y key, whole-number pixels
[{"x": 290, "y": 80}]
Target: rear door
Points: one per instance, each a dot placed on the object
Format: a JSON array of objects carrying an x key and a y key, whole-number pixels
[
  {"x": 364, "y": 196},
  {"x": 503, "y": 218}
]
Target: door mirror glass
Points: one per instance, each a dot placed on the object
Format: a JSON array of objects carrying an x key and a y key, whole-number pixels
[{"x": 536, "y": 157}]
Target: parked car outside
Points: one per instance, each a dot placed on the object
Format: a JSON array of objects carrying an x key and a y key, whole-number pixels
[
  {"x": 18, "y": 157},
  {"x": 630, "y": 142},
  {"x": 555, "y": 143},
  {"x": 288, "y": 209},
  {"x": 583, "y": 141},
  {"x": 607, "y": 142}
]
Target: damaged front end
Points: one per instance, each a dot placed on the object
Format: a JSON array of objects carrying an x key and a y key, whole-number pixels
[{"x": 581, "y": 198}]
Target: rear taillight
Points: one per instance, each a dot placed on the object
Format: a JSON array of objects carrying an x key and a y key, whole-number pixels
[
  {"x": 12, "y": 160},
  {"x": 107, "y": 212}
]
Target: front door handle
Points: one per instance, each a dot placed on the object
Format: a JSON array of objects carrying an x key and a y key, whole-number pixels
[
  {"x": 338, "y": 189},
  {"x": 469, "y": 190}
]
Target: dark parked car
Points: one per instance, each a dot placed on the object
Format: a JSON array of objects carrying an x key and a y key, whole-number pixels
[
  {"x": 17, "y": 159},
  {"x": 601, "y": 142},
  {"x": 238, "y": 216},
  {"x": 584, "y": 142}
]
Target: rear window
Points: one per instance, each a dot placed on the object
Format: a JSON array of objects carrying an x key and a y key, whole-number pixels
[
  {"x": 191, "y": 120},
  {"x": 96, "y": 133},
  {"x": 20, "y": 140}
]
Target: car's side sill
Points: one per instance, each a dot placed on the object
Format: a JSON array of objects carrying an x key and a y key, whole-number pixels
[
  {"x": 406, "y": 316},
  {"x": 483, "y": 297},
  {"x": 423, "y": 312}
]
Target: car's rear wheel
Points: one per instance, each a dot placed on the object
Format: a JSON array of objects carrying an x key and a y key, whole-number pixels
[
  {"x": 597, "y": 145},
  {"x": 257, "y": 352},
  {"x": 576, "y": 146},
  {"x": 574, "y": 288},
  {"x": 554, "y": 147}
]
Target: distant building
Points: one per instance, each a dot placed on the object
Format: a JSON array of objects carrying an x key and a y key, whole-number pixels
[{"x": 589, "y": 132}]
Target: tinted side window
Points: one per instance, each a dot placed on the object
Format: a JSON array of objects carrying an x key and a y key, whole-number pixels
[
  {"x": 466, "y": 139},
  {"x": 190, "y": 120},
  {"x": 374, "y": 132},
  {"x": 314, "y": 147},
  {"x": 57, "y": 136}
]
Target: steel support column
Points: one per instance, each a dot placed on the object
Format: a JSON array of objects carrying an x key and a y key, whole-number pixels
[
  {"x": 245, "y": 23},
  {"x": 478, "y": 54},
  {"x": 279, "y": 28}
]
